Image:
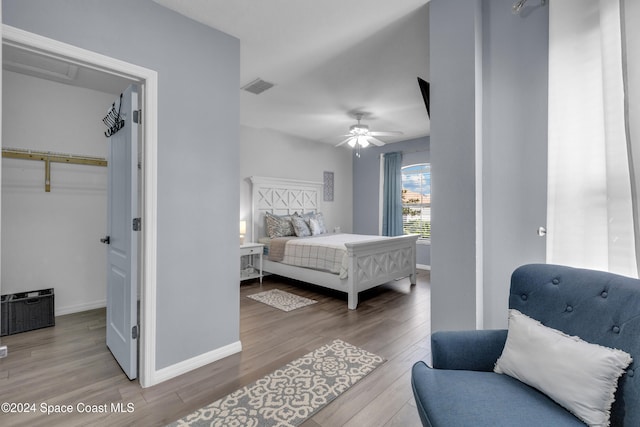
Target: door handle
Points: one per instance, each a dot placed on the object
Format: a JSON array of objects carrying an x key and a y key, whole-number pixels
[{"x": 106, "y": 240}]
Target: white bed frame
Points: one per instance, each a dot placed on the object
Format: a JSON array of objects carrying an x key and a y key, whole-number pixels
[{"x": 371, "y": 263}]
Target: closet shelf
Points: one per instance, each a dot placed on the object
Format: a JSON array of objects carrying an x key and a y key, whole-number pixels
[{"x": 48, "y": 157}]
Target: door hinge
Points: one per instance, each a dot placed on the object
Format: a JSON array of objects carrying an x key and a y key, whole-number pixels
[
  {"x": 134, "y": 332},
  {"x": 137, "y": 116},
  {"x": 137, "y": 224}
]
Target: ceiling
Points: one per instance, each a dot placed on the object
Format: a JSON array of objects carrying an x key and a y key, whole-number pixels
[{"x": 328, "y": 60}]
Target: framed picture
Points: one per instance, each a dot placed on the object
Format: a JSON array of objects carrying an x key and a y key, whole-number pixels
[{"x": 328, "y": 187}]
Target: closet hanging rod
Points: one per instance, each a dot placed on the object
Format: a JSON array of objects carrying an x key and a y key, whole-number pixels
[
  {"x": 47, "y": 157},
  {"x": 18, "y": 153}
]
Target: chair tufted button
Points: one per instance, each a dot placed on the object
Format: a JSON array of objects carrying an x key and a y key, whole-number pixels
[
  {"x": 569, "y": 308},
  {"x": 630, "y": 372},
  {"x": 616, "y": 329},
  {"x": 555, "y": 281},
  {"x": 604, "y": 294},
  {"x": 523, "y": 297}
]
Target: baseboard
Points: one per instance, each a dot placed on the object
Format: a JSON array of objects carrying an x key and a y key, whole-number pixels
[
  {"x": 194, "y": 363},
  {"x": 61, "y": 311},
  {"x": 423, "y": 267}
]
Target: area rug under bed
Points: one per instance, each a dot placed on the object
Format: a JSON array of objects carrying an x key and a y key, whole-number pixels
[
  {"x": 291, "y": 394},
  {"x": 282, "y": 300}
]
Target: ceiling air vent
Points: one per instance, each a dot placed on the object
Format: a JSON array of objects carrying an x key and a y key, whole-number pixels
[{"x": 257, "y": 86}]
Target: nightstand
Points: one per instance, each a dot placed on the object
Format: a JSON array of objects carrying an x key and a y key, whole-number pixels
[{"x": 251, "y": 250}]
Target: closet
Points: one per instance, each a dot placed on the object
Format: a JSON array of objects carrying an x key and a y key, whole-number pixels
[{"x": 54, "y": 178}]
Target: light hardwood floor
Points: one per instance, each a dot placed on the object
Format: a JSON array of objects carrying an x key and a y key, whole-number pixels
[{"x": 69, "y": 364}]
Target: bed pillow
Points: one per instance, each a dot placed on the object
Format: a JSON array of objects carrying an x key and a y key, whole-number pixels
[
  {"x": 318, "y": 223},
  {"x": 580, "y": 376},
  {"x": 314, "y": 224},
  {"x": 278, "y": 226},
  {"x": 300, "y": 226},
  {"x": 307, "y": 215}
]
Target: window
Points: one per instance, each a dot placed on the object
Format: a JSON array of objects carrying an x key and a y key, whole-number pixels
[{"x": 416, "y": 200}]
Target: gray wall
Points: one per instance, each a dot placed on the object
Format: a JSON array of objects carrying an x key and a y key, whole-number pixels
[
  {"x": 366, "y": 187},
  {"x": 453, "y": 56},
  {"x": 198, "y": 113},
  {"x": 488, "y": 155}
]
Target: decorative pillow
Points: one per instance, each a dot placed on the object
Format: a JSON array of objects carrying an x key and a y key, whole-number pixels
[
  {"x": 320, "y": 218},
  {"x": 314, "y": 224},
  {"x": 278, "y": 226},
  {"x": 580, "y": 376},
  {"x": 300, "y": 226},
  {"x": 307, "y": 215}
]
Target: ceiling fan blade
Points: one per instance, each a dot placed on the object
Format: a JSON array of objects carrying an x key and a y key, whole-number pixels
[
  {"x": 387, "y": 133},
  {"x": 344, "y": 142},
  {"x": 375, "y": 141}
]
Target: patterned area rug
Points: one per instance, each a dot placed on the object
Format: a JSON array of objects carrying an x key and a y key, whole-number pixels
[
  {"x": 290, "y": 395},
  {"x": 282, "y": 300}
]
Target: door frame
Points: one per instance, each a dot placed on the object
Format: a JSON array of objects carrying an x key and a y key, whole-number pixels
[{"x": 147, "y": 79}]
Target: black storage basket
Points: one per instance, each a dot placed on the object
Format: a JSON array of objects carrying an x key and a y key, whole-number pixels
[
  {"x": 29, "y": 310},
  {"x": 4, "y": 315}
]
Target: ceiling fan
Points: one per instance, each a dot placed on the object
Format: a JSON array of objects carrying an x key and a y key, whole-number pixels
[{"x": 360, "y": 136}]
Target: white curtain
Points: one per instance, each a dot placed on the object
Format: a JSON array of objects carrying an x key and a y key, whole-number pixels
[{"x": 591, "y": 194}]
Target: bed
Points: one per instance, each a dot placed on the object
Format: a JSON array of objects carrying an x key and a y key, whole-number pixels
[{"x": 369, "y": 261}]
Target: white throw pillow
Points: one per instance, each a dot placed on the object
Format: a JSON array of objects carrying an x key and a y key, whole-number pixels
[
  {"x": 580, "y": 376},
  {"x": 316, "y": 228}
]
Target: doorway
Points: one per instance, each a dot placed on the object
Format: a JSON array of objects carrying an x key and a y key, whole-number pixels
[{"x": 147, "y": 80}]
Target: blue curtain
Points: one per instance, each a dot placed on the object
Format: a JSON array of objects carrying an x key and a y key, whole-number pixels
[{"x": 392, "y": 195}]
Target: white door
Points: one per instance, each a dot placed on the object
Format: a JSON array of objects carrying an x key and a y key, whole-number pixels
[{"x": 122, "y": 255}]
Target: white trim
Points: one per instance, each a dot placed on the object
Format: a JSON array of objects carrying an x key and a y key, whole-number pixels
[
  {"x": 148, "y": 79},
  {"x": 1, "y": 53},
  {"x": 479, "y": 156},
  {"x": 423, "y": 267},
  {"x": 150, "y": 231},
  {"x": 380, "y": 193},
  {"x": 197, "y": 362}
]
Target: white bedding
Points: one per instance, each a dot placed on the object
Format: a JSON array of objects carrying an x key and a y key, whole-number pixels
[{"x": 324, "y": 252}]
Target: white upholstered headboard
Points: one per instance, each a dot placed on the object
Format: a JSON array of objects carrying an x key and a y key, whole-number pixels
[{"x": 281, "y": 197}]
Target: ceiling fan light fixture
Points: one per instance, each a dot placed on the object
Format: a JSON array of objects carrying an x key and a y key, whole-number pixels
[
  {"x": 363, "y": 141},
  {"x": 360, "y": 136},
  {"x": 359, "y": 129}
]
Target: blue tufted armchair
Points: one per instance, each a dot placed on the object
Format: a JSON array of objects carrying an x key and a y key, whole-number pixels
[{"x": 461, "y": 388}]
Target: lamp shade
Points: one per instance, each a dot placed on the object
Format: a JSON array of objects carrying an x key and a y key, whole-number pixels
[{"x": 243, "y": 227}]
